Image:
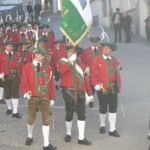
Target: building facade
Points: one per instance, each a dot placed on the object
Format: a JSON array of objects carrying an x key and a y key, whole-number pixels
[{"x": 137, "y": 9}]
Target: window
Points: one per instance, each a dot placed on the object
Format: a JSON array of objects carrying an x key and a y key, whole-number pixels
[{"x": 132, "y": 4}]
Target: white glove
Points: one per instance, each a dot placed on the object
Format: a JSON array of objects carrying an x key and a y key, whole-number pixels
[
  {"x": 1, "y": 75},
  {"x": 92, "y": 98},
  {"x": 73, "y": 57},
  {"x": 27, "y": 96},
  {"x": 52, "y": 103},
  {"x": 97, "y": 87},
  {"x": 87, "y": 70}
]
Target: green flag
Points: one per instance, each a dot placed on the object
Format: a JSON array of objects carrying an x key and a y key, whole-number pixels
[{"x": 76, "y": 19}]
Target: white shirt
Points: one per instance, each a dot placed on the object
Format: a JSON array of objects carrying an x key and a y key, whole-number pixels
[
  {"x": 9, "y": 52},
  {"x": 35, "y": 63},
  {"x": 44, "y": 34},
  {"x": 105, "y": 57},
  {"x": 94, "y": 47}
]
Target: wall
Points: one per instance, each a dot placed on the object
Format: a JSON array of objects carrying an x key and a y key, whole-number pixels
[{"x": 143, "y": 16}]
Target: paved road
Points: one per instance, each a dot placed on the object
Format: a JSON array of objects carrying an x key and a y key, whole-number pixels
[{"x": 135, "y": 94}]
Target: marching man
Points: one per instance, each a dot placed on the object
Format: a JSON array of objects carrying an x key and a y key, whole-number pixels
[
  {"x": 105, "y": 78},
  {"x": 89, "y": 55},
  {"x": 72, "y": 76},
  {"x": 37, "y": 88},
  {"x": 10, "y": 71}
]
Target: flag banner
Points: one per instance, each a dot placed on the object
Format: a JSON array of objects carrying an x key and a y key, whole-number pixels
[{"x": 76, "y": 19}]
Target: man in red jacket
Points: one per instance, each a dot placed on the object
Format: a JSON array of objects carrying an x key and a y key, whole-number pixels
[
  {"x": 10, "y": 71},
  {"x": 37, "y": 88},
  {"x": 89, "y": 55},
  {"x": 47, "y": 34},
  {"x": 69, "y": 82},
  {"x": 105, "y": 78}
]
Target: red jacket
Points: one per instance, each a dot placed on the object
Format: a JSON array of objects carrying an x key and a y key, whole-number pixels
[
  {"x": 67, "y": 80},
  {"x": 30, "y": 80},
  {"x": 89, "y": 55},
  {"x": 104, "y": 73},
  {"x": 7, "y": 63},
  {"x": 11, "y": 35},
  {"x": 50, "y": 44}
]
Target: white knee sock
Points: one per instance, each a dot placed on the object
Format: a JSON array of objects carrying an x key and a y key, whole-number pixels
[
  {"x": 30, "y": 130},
  {"x": 15, "y": 105},
  {"x": 45, "y": 130},
  {"x": 9, "y": 104},
  {"x": 1, "y": 92},
  {"x": 68, "y": 127},
  {"x": 112, "y": 121},
  {"x": 102, "y": 118},
  {"x": 81, "y": 127}
]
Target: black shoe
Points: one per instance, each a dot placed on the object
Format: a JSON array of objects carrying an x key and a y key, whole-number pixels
[
  {"x": 49, "y": 147},
  {"x": 67, "y": 138},
  {"x": 148, "y": 137},
  {"x": 16, "y": 115},
  {"x": 102, "y": 130},
  {"x": 115, "y": 134},
  {"x": 28, "y": 141},
  {"x": 91, "y": 104},
  {"x": 84, "y": 142},
  {"x": 2, "y": 101},
  {"x": 8, "y": 112},
  {"x": 37, "y": 109},
  {"x": 56, "y": 87}
]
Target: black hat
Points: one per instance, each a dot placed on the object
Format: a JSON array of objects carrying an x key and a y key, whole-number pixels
[
  {"x": 117, "y": 9},
  {"x": 78, "y": 49}
]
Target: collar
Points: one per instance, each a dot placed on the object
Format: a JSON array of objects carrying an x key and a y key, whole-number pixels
[
  {"x": 105, "y": 57},
  {"x": 35, "y": 63},
  {"x": 24, "y": 49},
  {"x": 8, "y": 52},
  {"x": 14, "y": 30},
  {"x": 22, "y": 32},
  {"x": 44, "y": 33},
  {"x": 94, "y": 47}
]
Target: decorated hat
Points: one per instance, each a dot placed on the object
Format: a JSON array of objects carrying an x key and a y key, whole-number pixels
[
  {"x": 1, "y": 24},
  {"x": 10, "y": 42},
  {"x": 21, "y": 24},
  {"x": 34, "y": 23},
  {"x": 44, "y": 26},
  {"x": 6, "y": 23},
  {"x": 59, "y": 41},
  {"x": 113, "y": 46},
  {"x": 42, "y": 39},
  {"x": 78, "y": 49},
  {"x": 94, "y": 39},
  {"x": 11, "y": 22},
  {"x": 38, "y": 50},
  {"x": 24, "y": 42}
]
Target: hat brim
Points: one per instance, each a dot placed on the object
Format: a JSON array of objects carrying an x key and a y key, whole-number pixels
[{"x": 113, "y": 46}]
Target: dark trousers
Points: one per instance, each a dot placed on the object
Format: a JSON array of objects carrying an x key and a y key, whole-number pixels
[
  {"x": 148, "y": 33},
  {"x": 31, "y": 15},
  {"x": 37, "y": 14},
  {"x": 57, "y": 75},
  {"x": 70, "y": 107},
  {"x": 117, "y": 28},
  {"x": 11, "y": 87},
  {"x": 128, "y": 35},
  {"x": 107, "y": 101}
]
